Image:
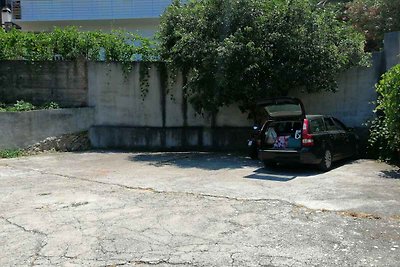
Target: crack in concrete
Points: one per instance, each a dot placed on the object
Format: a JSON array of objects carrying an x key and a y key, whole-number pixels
[
  {"x": 75, "y": 205},
  {"x": 152, "y": 263},
  {"x": 33, "y": 231},
  {"x": 37, "y": 252},
  {"x": 161, "y": 163}
]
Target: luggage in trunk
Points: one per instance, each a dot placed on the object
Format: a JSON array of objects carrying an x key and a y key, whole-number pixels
[{"x": 283, "y": 135}]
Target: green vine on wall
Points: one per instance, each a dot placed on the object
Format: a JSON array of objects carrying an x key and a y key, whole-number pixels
[
  {"x": 144, "y": 77},
  {"x": 71, "y": 44}
]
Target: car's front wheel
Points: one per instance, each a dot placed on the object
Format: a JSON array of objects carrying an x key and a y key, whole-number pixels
[{"x": 326, "y": 162}]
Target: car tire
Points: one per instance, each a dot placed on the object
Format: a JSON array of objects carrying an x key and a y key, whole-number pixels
[
  {"x": 253, "y": 153},
  {"x": 356, "y": 154},
  {"x": 269, "y": 163},
  {"x": 326, "y": 162}
]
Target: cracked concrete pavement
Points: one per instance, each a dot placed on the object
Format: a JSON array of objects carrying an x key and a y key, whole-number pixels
[{"x": 195, "y": 209}]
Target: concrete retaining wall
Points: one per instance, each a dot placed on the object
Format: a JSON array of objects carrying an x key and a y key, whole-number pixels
[
  {"x": 392, "y": 49},
  {"x": 22, "y": 129},
  {"x": 124, "y": 120},
  {"x": 63, "y": 82},
  {"x": 160, "y": 120},
  {"x": 118, "y": 101},
  {"x": 169, "y": 138},
  {"x": 353, "y": 101},
  {"x": 163, "y": 119}
]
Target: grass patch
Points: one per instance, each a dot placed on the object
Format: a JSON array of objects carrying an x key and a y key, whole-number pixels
[{"x": 11, "y": 153}]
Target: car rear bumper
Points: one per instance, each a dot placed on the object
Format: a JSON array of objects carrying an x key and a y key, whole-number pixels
[{"x": 304, "y": 156}]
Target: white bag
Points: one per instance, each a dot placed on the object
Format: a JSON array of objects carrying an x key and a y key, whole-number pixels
[{"x": 270, "y": 136}]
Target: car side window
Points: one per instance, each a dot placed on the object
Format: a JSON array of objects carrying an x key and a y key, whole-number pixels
[
  {"x": 339, "y": 125},
  {"x": 317, "y": 125},
  {"x": 330, "y": 125}
]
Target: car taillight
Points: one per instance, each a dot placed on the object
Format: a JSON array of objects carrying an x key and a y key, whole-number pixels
[{"x": 307, "y": 138}]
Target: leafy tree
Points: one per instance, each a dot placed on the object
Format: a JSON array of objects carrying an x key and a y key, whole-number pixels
[
  {"x": 373, "y": 18},
  {"x": 245, "y": 50},
  {"x": 385, "y": 129}
]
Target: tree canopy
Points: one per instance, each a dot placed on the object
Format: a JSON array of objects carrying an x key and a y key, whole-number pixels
[
  {"x": 373, "y": 18},
  {"x": 240, "y": 51}
]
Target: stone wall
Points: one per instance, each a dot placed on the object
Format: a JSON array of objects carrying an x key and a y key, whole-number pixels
[
  {"x": 22, "y": 129},
  {"x": 63, "y": 82}
]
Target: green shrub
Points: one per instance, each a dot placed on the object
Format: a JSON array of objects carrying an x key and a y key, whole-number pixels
[
  {"x": 71, "y": 44},
  {"x": 385, "y": 129},
  {"x": 51, "y": 105},
  {"x": 21, "y": 105}
]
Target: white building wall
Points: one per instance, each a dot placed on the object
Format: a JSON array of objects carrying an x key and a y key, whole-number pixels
[
  {"x": 55, "y": 10},
  {"x": 141, "y": 16}
]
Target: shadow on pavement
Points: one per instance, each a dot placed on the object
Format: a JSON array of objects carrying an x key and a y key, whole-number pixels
[
  {"x": 283, "y": 173},
  {"x": 201, "y": 160},
  {"x": 393, "y": 174}
]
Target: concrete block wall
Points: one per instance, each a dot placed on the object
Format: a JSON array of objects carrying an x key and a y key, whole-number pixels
[
  {"x": 22, "y": 129},
  {"x": 63, "y": 82}
]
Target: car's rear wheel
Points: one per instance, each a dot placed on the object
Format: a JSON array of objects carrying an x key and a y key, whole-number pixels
[{"x": 326, "y": 162}]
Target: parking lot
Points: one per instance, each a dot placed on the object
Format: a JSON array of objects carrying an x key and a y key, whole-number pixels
[{"x": 195, "y": 209}]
